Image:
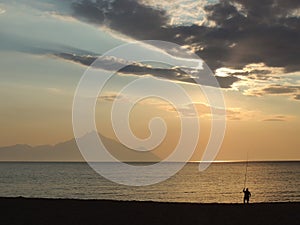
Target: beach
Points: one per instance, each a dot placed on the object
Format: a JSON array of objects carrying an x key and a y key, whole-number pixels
[{"x": 70, "y": 211}]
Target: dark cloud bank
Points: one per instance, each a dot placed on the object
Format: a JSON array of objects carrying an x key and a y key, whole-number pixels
[{"x": 245, "y": 31}]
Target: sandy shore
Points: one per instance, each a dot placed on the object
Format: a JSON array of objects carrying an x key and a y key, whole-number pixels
[{"x": 89, "y": 212}]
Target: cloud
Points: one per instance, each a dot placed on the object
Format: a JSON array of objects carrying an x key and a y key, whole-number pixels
[
  {"x": 274, "y": 120},
  {"x": 297, "y": 97},
  {"x": 180, "y": 12},
  {"x": 290, "y": 90},
  {"x": 110, "y": 97},
  {"x": 255, "y": 71},
  {"x": 138, "y": 69},
  {"x": 66, "y": 18},
  {"x": 2, "y": 11},
  {"x": 246, "y": 31},
  {"x": 128, "y": 17},
  {"x": 85, "y": 60},
  {"x": 277, "y": 118},
  {"x": 277, "y": 89},
  {"x": 261, "y": 80}
]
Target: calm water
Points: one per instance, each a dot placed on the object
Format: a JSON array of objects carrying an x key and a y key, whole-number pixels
[{"x": 221, "y": 182}]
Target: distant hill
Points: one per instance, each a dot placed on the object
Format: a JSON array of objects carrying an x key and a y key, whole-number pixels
[{"x": 68, "y": 151}]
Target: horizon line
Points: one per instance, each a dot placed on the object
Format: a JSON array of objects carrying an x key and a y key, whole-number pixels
[{"x": 194, "y": 161}]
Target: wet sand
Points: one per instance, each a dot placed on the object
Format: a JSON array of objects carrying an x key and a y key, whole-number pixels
[{"x": 88, "y": 212}]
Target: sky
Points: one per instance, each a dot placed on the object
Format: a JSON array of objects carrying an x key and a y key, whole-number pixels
[{"x": 252, "y": 47}]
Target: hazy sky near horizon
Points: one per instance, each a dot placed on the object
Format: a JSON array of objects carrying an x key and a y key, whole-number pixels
[{"x": 252, "y": 46}]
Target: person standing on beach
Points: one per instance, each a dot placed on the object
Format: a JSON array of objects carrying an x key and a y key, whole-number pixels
[{"x": 247, "y": 195}]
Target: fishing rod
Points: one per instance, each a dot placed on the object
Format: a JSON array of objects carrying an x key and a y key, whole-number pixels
[{"x": 245, "y": 181}]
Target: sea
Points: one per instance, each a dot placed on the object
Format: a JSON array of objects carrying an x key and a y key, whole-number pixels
[{"x": 220, "y": 183}]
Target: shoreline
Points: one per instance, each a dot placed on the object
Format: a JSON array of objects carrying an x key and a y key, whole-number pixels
[
  {"x": 20, "y": 210},
  {"x": 140, "y": 201}
]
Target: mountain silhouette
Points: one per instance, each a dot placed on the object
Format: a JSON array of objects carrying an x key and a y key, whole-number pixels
[{"x": 69, "y": 152}]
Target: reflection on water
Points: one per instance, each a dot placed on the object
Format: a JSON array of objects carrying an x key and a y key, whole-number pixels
[{"x": 221, "y": 182}]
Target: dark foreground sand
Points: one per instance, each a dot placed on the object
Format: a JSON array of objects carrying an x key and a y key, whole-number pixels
[{"x": 89, "y": 212}]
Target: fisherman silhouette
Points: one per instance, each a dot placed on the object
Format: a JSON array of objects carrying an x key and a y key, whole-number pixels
[{"x": 247, "y": 195}]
